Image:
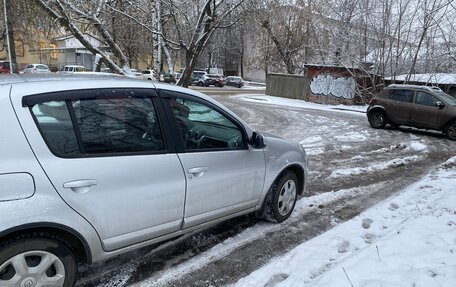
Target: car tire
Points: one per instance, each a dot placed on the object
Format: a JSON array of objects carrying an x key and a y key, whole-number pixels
[
  {"x": 200, "y": 84},
  {"x": 44, "y": 260},
  {"x": 281, "y": 199},
  {"x": 450, "y": 130},
  {"x": 377, "y": 119}
]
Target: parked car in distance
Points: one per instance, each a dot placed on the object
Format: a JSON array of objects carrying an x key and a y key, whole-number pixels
[
  {"x": 5, "y": 67},
  {"x": 149, "y": 74},
  {"x": 177, "y": 75},
  {"x": 214, "y": 80},
  {"x": 169, "y": 78},
  {"x": 69, "y": 194},
  {"x": 73, "y": 68},
  {"x": 234, "y": 81},
  {"x": 198, "y": 79},
  {"x": 36, "y": 68},
  {"x": 137, "y": 73},
  {"x": 417, "y": 106}
]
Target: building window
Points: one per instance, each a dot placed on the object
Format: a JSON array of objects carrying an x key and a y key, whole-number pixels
[{"x": 54, "y": 54}]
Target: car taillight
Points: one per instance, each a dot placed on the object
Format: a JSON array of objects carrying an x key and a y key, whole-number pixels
[{"x": 372, "y": 102}]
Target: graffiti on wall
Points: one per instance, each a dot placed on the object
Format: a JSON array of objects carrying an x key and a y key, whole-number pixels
[{"x": 328, "y": 85}]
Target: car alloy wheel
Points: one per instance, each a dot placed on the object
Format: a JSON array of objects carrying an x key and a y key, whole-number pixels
[
  {"x": 451, "y": 131},
  {"x": 377, "y": 119}
]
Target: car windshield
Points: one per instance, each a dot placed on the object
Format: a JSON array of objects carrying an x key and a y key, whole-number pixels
[{"x": 447, "y": 98}]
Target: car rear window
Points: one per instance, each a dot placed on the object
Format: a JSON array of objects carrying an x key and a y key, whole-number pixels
[
  {"x": 100, "y": 125},
  {"x": 401, "y": 95}
]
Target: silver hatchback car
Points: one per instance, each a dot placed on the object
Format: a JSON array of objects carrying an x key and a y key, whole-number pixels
[{"x": 92, "y": 167}]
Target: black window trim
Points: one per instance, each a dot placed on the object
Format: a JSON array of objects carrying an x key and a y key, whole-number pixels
[
  {"x": 180, "y": 146},
  {"x": 68, "y": 96}
]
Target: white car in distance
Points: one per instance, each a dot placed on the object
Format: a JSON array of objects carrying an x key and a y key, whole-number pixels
[{"x": 36, "y": 68}]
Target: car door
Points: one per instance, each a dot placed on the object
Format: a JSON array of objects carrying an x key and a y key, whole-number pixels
[
  {"x": 105, "y": 153},
  {"x": 224, "y": 175},
  {"x": 425, "y": 111},
  {"x": 399, "y": 106}
]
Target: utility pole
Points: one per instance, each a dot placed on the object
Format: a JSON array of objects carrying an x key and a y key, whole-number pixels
[{"x": 8, "y": 38}]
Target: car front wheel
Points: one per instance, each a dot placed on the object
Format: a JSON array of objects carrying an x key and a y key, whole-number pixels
[
  {"x": 282, "y": 197},
  {"x": 37, "y": 260},
  {"x": 377, "y": 119},
  {"x": 451, "y": 131}
]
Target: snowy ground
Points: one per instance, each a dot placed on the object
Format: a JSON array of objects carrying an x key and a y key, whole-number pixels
[
  {"x": 352, "y": 168},
  {"x": 408, "y": 240}
]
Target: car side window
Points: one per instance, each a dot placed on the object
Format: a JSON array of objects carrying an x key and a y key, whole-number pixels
[
  {"x": 102, "y": 125},
  {"x": 202, "y": 127},
  {"x": 401, "y": 95},
  {"x": 426, "y": 99},
  {"x": 54, "y": 121},
  {"x": 118, "y": 125}
]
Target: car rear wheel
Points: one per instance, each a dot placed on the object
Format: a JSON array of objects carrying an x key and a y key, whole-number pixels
[
  {"x": 451, "y": 130},
  {"x": 282, "y": 197},
  {"x": 377, "y": 119},
  {"x": 37, "y": 260}
]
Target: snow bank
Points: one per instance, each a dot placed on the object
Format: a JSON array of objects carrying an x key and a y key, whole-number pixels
[
  {"x": 301, "y": 104},
  {"x": 397, "y": 162},
  {"x": 408, "y": 240}
]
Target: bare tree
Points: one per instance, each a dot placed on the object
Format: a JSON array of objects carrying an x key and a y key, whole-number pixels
[
  {"x": 194, "y": 28},
  {"x": 287, "y": 26}
]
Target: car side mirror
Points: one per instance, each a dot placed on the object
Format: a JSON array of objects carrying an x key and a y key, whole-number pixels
[
  {"x": 257, "y": 140},
  {"x": 440, "y": 105}
]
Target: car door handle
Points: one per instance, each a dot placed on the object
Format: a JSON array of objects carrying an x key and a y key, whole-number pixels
[
  {"x": 197, "y": 171},
  {"x": 80, "y": 186}
]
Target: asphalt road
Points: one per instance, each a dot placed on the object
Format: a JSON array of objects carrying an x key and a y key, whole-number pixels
[{"x": 344, "y": 154}]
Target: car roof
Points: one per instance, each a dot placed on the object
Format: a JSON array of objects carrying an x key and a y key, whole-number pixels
[
  {"x": 415, "y": 87},
  {"x": 42, "y": 83}
]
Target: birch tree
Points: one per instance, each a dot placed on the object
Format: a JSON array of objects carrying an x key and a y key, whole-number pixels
[{"x": 74, "y": 14}]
